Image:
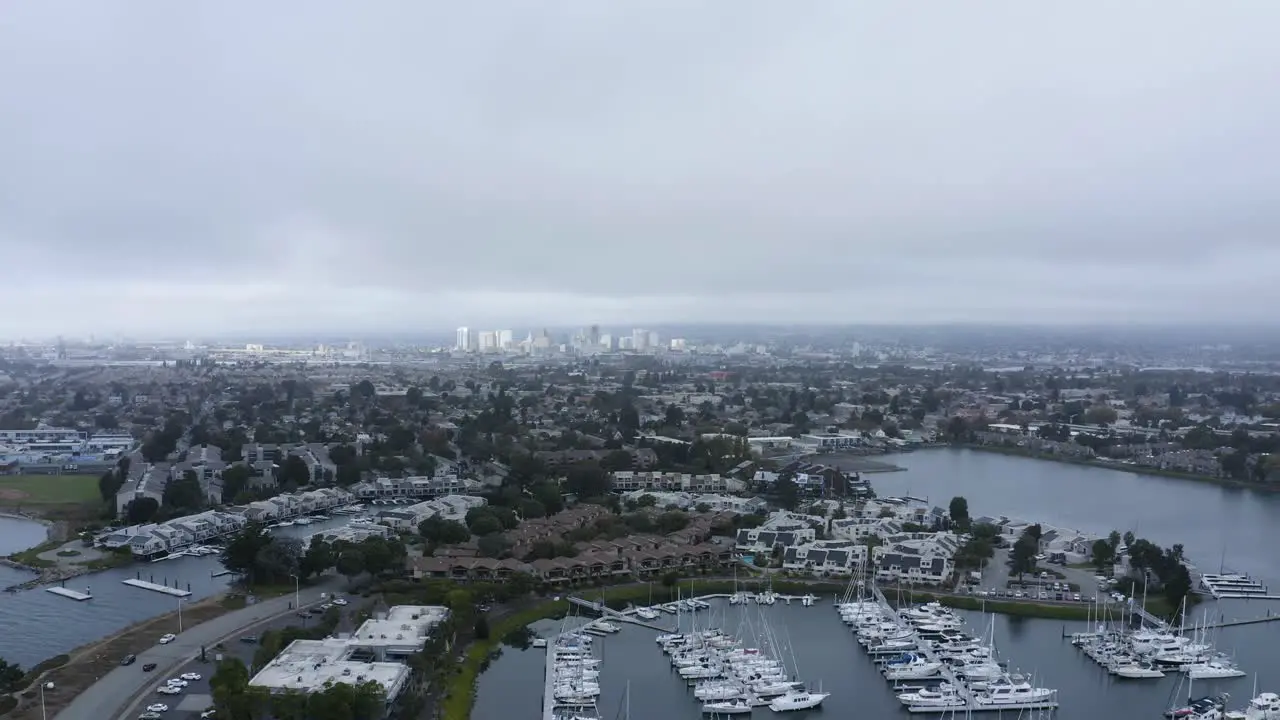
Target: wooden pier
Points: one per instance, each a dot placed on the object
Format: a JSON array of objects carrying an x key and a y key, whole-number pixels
[
  {"x": 157, "y": 588},
  {"x": 74, "y": 595},
  {"x": 611, "y": 613}
]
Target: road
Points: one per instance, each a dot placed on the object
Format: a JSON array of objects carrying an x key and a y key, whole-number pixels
[
  {"x": 123, "y": 685},
  {"x": 197, "y": 696}
]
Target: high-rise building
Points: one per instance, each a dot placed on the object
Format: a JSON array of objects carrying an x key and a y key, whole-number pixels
[
  {"x": 639, "y": 339},
  {"x": 593, "y": 336},
  {"x": 488, "y": 341},
  {"x": 464, "y": 340},
  {"x": 606, "y": 342},
  {"x": 505, "y": 339}
]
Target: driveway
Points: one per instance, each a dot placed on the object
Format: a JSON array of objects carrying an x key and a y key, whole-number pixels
[{"x": 122, "y": 685}]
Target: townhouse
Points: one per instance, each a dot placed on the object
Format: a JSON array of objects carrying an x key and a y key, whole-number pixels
[
  {"x": 289, "y": 505},
  {"x": 630, "y": 480},
  {"x": 916, "y": 558},
  {"x": 144, "y": 480},
  {"x": 825, "y": 557},
  {"x": 154, "y": 539},
  {"x": 205, "y": 462},
  {"x": 418, "y": 486}
]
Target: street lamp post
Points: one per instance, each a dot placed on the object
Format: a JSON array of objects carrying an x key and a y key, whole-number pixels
[
  {"x": 297, "y": 592},
  {"x": 43, "y": 714},
  {"x": 179, "y": 615}
]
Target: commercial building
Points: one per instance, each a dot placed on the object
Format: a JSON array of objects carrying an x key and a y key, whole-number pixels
[{"x": 374, "y": 653}]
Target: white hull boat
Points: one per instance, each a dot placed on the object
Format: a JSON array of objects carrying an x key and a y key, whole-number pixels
[{"x": 797, "y": 701}]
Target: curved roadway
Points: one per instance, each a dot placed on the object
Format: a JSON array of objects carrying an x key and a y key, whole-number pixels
[{"x": 121, "y": 688}]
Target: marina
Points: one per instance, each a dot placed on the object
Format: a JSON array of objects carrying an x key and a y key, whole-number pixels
[
  {"x": 73, "y": 594},
  {"x": 933, "y": 666}
]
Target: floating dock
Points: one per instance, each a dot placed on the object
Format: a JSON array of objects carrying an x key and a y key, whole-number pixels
[
  {"x": 157, "y": 588},
  {"x": 73, "y": 594}
]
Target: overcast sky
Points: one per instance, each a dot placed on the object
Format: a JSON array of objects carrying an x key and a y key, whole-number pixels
[{"x": 196, "y": 168}]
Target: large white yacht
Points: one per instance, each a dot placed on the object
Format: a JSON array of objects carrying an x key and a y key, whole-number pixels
[
  {"x": 1012, "y": 690},
  {"x": 1263, "y": 707},
  {"x": 797, "y": 700}
]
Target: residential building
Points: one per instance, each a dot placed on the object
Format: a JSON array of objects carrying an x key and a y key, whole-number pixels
[
  {"x": 417, "y": 486},
  {"x": 448, "y": 507},
  {"x": 144, "y": 480}
]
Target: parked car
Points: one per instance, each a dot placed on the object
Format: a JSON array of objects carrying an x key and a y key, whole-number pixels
[
  {"x": 193, "y": 676},
  {"x": 129, "y": 660},
  {"x": 149, "y": 716},
  {"x": 148, "y": 667},
  {"x": 167, "y": 638},
  {"x": 248, "y": 638},
  {"x": 158, "y": 708},
  {"x": 169, "y": 690}
]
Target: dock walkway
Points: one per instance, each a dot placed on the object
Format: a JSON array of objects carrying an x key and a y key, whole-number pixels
[
  {"x": 611, "y": 613},
  {"x": 157, "y": 588}
]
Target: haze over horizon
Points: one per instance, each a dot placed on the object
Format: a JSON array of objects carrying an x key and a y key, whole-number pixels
[{"x": 206, "y": 169}]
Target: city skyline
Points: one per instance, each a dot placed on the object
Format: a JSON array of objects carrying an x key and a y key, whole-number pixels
[{"x": 574, "y": 165}]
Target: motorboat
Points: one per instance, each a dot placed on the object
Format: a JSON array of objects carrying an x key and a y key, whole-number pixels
[
  {"x": 1206, "y": 708},
  {"x": 736, "y": 706},
  {"x": 1012, "y": 690},
  {"x": 945, "y": 696},
  {"x": 797, "y": 700},
  {"x": 1213, "y": 670},
  {"x": 1263, "y": 707},
  {"x": 647, "y": 613},
  {"x": 1136, "y": 670}
]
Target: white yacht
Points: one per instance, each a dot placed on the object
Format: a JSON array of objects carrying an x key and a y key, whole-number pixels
[
  {"x": 1133, "y": 670},
  {"x": 1012, "y": 690},
  {"x": 945, "y": 696},
  {"x": 736, "y": 706},
  {"x": 1213, "y": 670},
  {"x": 645, "y": 613},
  {"x": 797, "y": 700},
  {"x": 1263, "y": 707}
]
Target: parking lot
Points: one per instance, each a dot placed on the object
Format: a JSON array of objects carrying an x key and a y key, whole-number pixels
[
  {"x": 1076, "y": 585},
  {"x": 195, "y": 696}
]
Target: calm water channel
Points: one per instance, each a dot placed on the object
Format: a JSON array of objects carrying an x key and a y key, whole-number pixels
[
  {"x": 1211, "y": 522},
  {"x": 35, "y": 625}
]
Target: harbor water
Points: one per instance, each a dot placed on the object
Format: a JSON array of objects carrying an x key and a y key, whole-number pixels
[
  {"x": 38, "y": 625},
  {"x": 827, "y": 654}
]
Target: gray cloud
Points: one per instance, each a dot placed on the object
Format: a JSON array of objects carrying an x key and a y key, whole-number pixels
[{"x": 203, "y": 168}]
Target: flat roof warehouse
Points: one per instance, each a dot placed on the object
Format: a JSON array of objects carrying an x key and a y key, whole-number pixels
[{"x": 388, "y": 638}]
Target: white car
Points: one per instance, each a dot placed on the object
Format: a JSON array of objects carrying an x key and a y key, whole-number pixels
[
  {"x": 191, "y": 676},
  {"x": 208, "y": 714},
  {"x": 176, "y": 682},
  {"x": 167, "y": 638},
  {"x": 169, "y": 690},
  {"x": 158, "y": 707},
  {"x": 339, "y": 601}
]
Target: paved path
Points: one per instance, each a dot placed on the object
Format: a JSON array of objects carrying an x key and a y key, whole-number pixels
[{"x": 121, "y": 686}]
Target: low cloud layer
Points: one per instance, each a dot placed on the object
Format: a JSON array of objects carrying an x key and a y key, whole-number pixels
[{"x": 205, "y": 168}]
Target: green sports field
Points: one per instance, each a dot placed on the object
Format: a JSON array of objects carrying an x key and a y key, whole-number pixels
[{"x": 47, "y": 489}]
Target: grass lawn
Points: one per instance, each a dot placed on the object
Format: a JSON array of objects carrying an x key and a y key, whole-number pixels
[{"x": 48, "y": 489}]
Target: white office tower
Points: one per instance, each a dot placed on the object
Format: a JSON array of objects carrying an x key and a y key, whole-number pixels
[
  {"x": 505, "y": 339},
  {"x": 464, "y": 340},
  {"x": 653, "y": 343},
  {"x": 488, "y": 341},
  {"x": 606, "y": 341},
  {"x": 677, "y": 344},
  {"x": 639, "y": 340}
]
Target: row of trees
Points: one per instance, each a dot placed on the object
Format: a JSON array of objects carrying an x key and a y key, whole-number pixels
[{"x": 264, "y": 559}]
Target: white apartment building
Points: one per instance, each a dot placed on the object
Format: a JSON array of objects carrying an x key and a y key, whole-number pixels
[
  {"x": 463, "y": 341},
  {"x": 150, "y": 540},
  {"x": 448, "y": 507}
]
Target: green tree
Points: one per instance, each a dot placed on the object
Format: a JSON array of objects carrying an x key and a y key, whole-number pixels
[
  {"x": 294, "y": 472},
  {"x": 235, "y": 480},
  {"x": 10, "y": 676},
  {"x": 1022, "y": 559},
  {"x": 241, "y": 553},
  {"x": 482, "y": 628},
  {"x": 140, "y": 510},
  {"x": 439, "y": 531},
  {"x": 959, "y": 512},
  {"x": 318, "y": 558},
  {"x": 350, "y": 563},
  {"x": 109, "y": 484},
  {"x": 1103, "y": 554},
  {"x": 184, "y": 493}
]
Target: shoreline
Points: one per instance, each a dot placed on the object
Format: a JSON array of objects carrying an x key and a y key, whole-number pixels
[{"x": 1106, "y": 465}]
